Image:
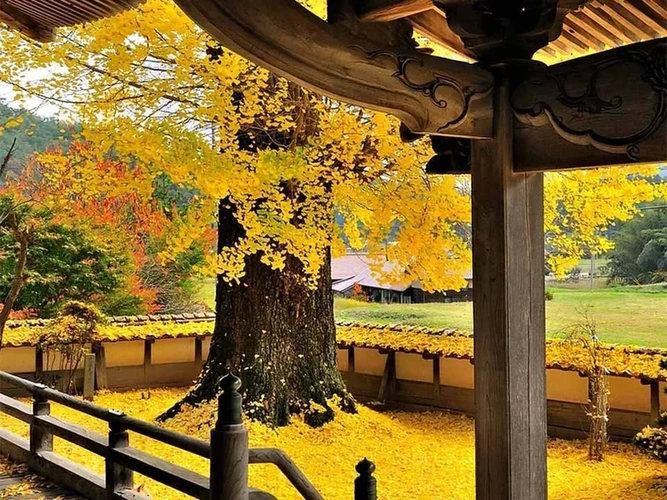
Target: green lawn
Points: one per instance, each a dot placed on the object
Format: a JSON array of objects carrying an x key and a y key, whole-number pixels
[{"x": 628, "y": 315}]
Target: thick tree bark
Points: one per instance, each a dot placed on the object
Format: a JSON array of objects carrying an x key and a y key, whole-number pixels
[{"x": 278, "y": 335}]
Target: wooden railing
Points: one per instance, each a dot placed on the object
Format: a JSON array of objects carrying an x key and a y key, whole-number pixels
[{"x": 228, "y": 451}]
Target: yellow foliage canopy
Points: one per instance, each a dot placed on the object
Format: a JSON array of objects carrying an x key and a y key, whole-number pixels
[{"x": 157, "y": 91}]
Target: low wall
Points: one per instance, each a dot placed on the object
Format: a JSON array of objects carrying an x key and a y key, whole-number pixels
[{"x": 411, "y": 381}]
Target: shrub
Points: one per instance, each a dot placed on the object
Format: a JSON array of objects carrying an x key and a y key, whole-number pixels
[
  {"x": 653, "y": 441},
  {"x": 358, "y": 293},
  {"x": 65, "y": 343}
]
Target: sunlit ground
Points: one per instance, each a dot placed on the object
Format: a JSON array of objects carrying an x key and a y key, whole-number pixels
[{"x": 417, "y": 455}]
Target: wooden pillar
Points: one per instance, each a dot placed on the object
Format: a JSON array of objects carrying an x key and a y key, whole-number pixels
[
  {"x": 436, "y": 378},
  {"x": 199, "y": 355},
  {"x": 89, "y": 376},
  {"x": 388, "y": 383},
  {"x": 148, "y": 360},
  {"x": 118, "y": 478},
  {"x": 229, "y": 445},
  {"x": 40, "y": 438},
  {"x": 39, "y": 364},
  {"x": 508, "y": 269},
  {"x": 350, "y": 359},
  {"x": 101, "y": 379},
  {"x": 655, "y": 403}
]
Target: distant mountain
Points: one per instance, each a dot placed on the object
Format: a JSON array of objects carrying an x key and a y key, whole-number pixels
[{"x": 33, "y": 134}]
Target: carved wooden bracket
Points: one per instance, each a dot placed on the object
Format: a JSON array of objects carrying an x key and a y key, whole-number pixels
[
  {"x": 429, "y": 94},
  {"x": 605, "y": 109}
]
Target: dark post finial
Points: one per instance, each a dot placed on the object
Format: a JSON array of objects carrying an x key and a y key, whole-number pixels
[
  {"x": 230, "y": 401},
  {"x": 229, "y": 445},
  {"x": 365, "y": 486}
]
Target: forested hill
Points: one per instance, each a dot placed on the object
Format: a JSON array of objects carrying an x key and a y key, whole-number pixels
[{"x": 32, "y": 133}]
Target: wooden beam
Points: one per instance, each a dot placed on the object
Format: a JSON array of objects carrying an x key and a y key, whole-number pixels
[
  {"x": 639, "y": 10},
  {"x": 637, "y": 30},
  {"x": 605, "y": 109},
  {"x": 101, "y": 378},
  {"x": 609, "y": 23},
  {"x": 509, "y": 318},
  {"x": 350, "y": 360},
  {"x": 341, "y": 59},
  {"x": 391, "y": 10},
  {"x": 655, "y": 403},
  {"x": 23, "y": 23},
  {"x": 388, "y": 384},
  {"x": 583, "y": 22},
  {"x": 433, "y": 25},
  {"x": 148, "y": 360},
  {"x": 575, "y": 39},
  {"x": 39, "y": 364},
  {"x": 436, "y": 378},
  {"x": 658, "y": 7},
  {"x": 199, "y": 357}
]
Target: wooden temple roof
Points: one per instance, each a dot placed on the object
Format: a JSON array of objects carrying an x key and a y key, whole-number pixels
[
  {"x": 38, "y": 19},
  {"x": 592, "y": 27}
]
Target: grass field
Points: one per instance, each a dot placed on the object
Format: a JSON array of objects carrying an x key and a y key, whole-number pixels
[{"x": 627, "y": 315}]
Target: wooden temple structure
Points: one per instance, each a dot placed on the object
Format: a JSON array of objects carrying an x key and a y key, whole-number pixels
[{"x": 497, "y": 114}]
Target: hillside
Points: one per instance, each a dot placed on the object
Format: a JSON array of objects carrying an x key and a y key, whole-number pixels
[{"x": 33, "y": 134}]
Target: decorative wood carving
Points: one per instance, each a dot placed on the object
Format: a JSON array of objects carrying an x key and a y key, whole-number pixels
[
  {"x": 605, "y": 109},
  {"x": 429, "y": 94}
]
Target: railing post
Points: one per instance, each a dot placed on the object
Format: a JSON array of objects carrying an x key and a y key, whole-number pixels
[
  {"x": 229, "y": 445},
  {"x": 40, "y": 438},
  {"x": 117, "y": 477},
  {"x": 365, "y": 486}
]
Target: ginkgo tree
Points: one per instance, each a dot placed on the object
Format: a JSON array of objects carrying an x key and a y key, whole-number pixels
[{"x": 270, "y": 162}]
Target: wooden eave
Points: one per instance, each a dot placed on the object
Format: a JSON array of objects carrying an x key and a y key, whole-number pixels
[
  {"x": 38, "y": 19},
  {"x": 596, "y": 26}
]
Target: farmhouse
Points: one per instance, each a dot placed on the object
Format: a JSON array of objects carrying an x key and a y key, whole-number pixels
[{"x": 357, "y": 270}]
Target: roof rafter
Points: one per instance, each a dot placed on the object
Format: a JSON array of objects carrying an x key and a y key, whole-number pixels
[{"x": 391, "y": 10}]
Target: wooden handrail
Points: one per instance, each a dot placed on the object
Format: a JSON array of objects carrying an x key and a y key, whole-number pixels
[
  {"x": 187, "y": 443},
  {"x": 121, "y": 459},
  {"x": 280, "y": 459}
]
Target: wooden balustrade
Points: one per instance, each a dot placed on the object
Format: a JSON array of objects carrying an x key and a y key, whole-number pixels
[{"x": 228, "y": 452}]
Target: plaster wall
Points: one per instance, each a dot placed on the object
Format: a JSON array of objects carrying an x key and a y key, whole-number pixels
[
  {"x": 413, "y": 367},
  {"x": 17, "y": 359},
  {"x": 457, "y": 373},
  {"x": 166, "y": 351},
  {"x": 369, "y": 361},
  {"x": 127, "y": 353},
  {"x": 567, "y": 386}
]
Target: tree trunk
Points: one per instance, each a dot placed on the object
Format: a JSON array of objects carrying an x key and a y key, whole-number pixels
[
  {"x": 22, "y": 238},
  {"x": 598, "y": 409},
  {"x": 278, "y": 335}
]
